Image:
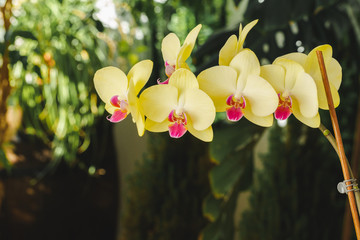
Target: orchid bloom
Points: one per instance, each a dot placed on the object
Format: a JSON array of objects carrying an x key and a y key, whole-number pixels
[
  {"x": 311, "y": 66},
  {"x": 296, "y": 91},
  {"x": 234, "y": 45},
  {"x": 179, "y": 106},
  {"x": 119, "y": 92},
  {"x": 239, "y": 90},
  {"x": 175, "y": 55}
]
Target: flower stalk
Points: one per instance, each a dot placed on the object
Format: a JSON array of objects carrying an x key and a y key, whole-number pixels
[
  {"x": 339, "y": 143},
  {"x": 332, "y": 141}
]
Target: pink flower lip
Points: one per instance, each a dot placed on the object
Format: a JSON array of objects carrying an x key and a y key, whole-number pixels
[
  {"x": 163, "y": 82},
  {"x": 117, "y": 116},
  {"x": 283, "y": 110},
  {"x": 234, "y": 112},
  {"x": 115, "y": 101},
  {"x": 122, "y": 109},
  {"x": 177, "y": 128}
]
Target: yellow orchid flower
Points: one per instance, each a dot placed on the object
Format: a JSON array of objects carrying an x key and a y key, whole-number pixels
[
  {"x": 175, "y": 55},
  {"x": 296, "y": 91},
  {"x": 239, "y": 90},
  {"x": 234, "y": 45},
  {"x": 311, "y": 66},
  {"x": 119, "y": 92},
  {"x": 179, "y": 106}
]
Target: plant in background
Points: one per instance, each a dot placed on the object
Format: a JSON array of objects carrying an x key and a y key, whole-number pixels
[{"x": 54, "y": 52}]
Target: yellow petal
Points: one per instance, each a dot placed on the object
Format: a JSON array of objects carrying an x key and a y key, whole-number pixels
[
  {"x": 292, "y": 69},
  {"x": 219, "y": 83},
  {"x": 228, "y": 51},
  {"x": 275, "y": 75},
  {"x": 245, "y": 63},
  {"x": 313, "y": 122},
  {"x": 110, "y": 81},
  {"x": 297, "y": 57},
  {"x": 199, "y": 108},
  {"x": 305, "y": 92},
  {"x": 170, "y": 47},
  {"x": 244, "y": 32},
  {"x": 183, "y": 79},
  {"x": 140, "y": 74},
  {"x": 156, "y": 126},
  {"x": 136, "y": 110},
  {"x": 265, "y": 121},
  {"x": 188, "y": 46},
  {"x": 323, "y": 104},
  {"x": 204, "y": 135},
  {"x": 158, "y": 101},
  {"x": 182, "y": 65},
  {"x": 312, "y": 63},
  {"x": 193, "y": 34},
  {"x": 183, "y": 55},
  {"x": 334, "y": 71},
  {"x": 260, "y": 96}
]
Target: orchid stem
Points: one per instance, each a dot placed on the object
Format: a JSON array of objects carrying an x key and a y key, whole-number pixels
[{"x": 339, "y": 143}]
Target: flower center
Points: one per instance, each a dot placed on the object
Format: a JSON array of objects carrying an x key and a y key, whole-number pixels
[
  {"x": 234, "y": 112},
  {"x": 283, "y": 110},
  {"x": 121, "y": 111},
  {"x": 169, "y": 69},
  {"x": 177, "y": 128}
]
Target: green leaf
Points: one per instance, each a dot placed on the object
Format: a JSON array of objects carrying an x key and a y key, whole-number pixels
[
  {"x": 224, "y": 176},
  {"x": 232, "y": 150},
  {"x": 223, "y": 228},
  {"x": 233, "y": 137},
  {"x": 212, "y": 207},
  {"x": 211, "y": 232}
]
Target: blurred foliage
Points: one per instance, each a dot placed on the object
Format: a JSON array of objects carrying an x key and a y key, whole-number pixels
[
  {"x": 55, "y": 53},
  {"x": 55, "y": 49}
]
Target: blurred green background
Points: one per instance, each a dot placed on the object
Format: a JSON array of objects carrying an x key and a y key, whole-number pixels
[{"x": 62, "y": 164}]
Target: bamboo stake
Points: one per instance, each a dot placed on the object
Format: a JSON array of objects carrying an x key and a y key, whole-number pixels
[{"x": 339, "y": 143}]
